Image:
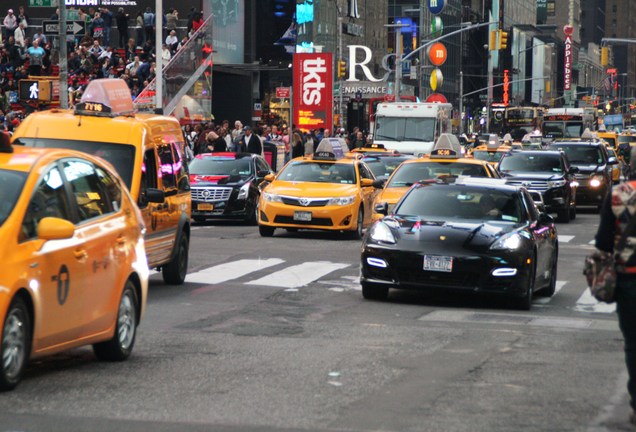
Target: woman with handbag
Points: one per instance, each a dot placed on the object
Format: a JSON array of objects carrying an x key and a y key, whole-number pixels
[{"x": 616, "y": 238}]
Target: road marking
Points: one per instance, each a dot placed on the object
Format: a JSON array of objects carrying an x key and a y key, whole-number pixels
[
  {"x": 299, "y": 275},
  {"x": 592, "y": 242},
  {"x": 565, "y": 238},
  {"x": 587, "y": 303},
  {"x": 546, "y": 300},
  {"x": 231, "y": 270}
]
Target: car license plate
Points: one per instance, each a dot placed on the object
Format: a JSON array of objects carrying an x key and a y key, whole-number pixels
[
  {"x": 438, "y": 263},
  {"x": 206, "y": 207},
  {"x": 302, "y": 216}
]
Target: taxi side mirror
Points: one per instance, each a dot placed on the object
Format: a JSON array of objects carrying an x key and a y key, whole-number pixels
[
  {"x": 269, "y": 177},
  {"x": 154, "y": 195},
  {"x": 379, "y": 183},
  {"x": 52, "y": 228},
  {"x": 382, "y": 209},
  {"x": 366, "y": 182}
]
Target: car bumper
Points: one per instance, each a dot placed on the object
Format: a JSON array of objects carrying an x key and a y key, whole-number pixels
[
  {"x": 336, "y": 218},
  {"x": 553, "y": 199},
  {"x": 591, "y": 195},
  {"x": 232, "y": 208},
  {"x": 506, "y": 273}
]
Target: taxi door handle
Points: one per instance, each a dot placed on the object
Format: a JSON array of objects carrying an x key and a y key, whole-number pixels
[
  {"x": 80, "y": 254},
  {"x": 120, "y": 240}
]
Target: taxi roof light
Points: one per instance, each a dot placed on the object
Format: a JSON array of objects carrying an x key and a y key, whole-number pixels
[
  {"x": 107, "y": 97},
  {"x": 447, "y": 147}
]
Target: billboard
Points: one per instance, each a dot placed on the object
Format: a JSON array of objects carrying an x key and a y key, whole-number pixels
[
  {"x": 313, "y": 91},
  {"x": 228, "y": 35}
]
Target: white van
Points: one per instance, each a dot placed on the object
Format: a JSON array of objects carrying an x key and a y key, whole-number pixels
[{"x": 411, "y": 127}]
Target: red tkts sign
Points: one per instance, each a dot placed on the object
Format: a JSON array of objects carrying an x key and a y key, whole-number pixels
[{"x": 313, "y": 91}]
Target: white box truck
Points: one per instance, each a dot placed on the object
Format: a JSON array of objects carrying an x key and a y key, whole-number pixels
[{"x": 411, "y": 127}]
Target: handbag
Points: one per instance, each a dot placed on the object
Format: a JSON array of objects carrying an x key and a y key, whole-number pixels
[{"x": 600, "y": 268}]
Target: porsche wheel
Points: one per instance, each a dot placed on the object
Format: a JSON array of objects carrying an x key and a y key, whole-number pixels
[{"x": 525, "y": 302}]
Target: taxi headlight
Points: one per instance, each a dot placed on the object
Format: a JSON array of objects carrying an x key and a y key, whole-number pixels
[
  {"x": 510, "y": 241},
  {"x": 556, "y": 183},
  {"x": 270, "y": 197},
  {"x": 596, "y": 181},
  {"x": 244, "y": 191},
  {"x": 380, "y": 232},
  {"x": 342, "y": 201}
]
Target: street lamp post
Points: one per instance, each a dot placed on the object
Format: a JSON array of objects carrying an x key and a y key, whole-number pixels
[{"x": 398, "y": 57}]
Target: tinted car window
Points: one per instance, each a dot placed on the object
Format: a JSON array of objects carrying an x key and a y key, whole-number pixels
[
  {"x": 221, "y": 166},
  {"x": 11, "y": 184},
  {"x": 120, "y": 156},
  {"x": 581, "y": 154},
  {"x": 384, "y": 166},
  {"x": 319, "y": 172},
  {"x": 409, "y": 174},
  {"x": 168, "y": 166},
  {"x": 531, "y": 163}
]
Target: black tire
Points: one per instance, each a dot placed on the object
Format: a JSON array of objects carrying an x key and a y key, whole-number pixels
[
  {"x": 121, "y": 345},
  {"x": 358, "y": 232},
  {"x": 174, "y": 273},
  {"x": 251, "y": 218},
  {"x": 266, "y": 231},
  {"x": 374, "y": 292},
  {"x": 525, "y": 303},
  {"x": 15, "y": 345},
  {"x": 564, "y": 214},
  {"x": 572, "y": 212}
]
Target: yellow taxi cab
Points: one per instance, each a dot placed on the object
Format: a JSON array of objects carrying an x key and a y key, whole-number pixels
[
  {"x": 372, "y": 148},
  {"x": 74, "y": 267},
  {"x": 444, "y": 162},
  {"x": 617, "y": 168},
  {"x": 318, "y": 192},
  {"x": 492, "y": 151},
  {"x": 610, "y": 137},
  {"x": 147, "y": 152}
]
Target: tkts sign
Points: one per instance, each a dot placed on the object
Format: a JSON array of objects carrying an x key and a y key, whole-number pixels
[
  {"x": 313, "y": 91},
  {"x": 567, "y": 73}
]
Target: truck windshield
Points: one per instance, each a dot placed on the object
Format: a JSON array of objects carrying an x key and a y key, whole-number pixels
[
  {"x": 563, "y": 129},
  {"x": 405, "y": 129},
  {"x": 120, "y": 156}
]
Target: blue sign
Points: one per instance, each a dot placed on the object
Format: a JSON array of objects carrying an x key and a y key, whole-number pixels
[
  {"x": 436, "y": 6},
  {"x": 613, "y": 119}
]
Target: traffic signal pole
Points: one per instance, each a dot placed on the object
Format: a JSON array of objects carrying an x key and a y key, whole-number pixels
[{"x": 63, "y": 53}]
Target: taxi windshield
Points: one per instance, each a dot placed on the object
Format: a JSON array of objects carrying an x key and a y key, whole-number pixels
[
  {"x": 409, "y": 174},
  {"x": 383, "y": 167},
  {"x": 120, "y": 156},
  {"x": 318, "y": 172},
  {"x": 11, "y": 184},
  {"x": 581, "y": 154},
  {"x": 450, "y": 203},
  {"x": 531, "y": 163},
  {"x": 221, "y": 166},
  {"x": 487, "y": 156}
]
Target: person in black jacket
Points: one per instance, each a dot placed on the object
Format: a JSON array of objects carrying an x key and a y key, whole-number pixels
[
  {"x": 251, "y": 142},
  {"x": 122, "y": 26}
]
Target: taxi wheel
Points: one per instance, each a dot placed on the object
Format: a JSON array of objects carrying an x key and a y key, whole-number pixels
[
  {"x": 374, "y": 292},
  {"x": 357, "y": 234},
  {"x": 16, "y": 344},
  {"x": 174, "y": 273},
  {"x": 121, "y": 345},
  {"x": 266, "y": 231}
]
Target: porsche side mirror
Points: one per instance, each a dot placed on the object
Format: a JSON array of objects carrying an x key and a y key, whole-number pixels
[
  {"x": 545, "y": 219},
  {"x": 382, "y": 209}
]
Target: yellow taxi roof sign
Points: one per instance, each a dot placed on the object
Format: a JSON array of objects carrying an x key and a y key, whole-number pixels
[
  {"x": 106, "y": 96},
  {"x": 447, "y": 146}
]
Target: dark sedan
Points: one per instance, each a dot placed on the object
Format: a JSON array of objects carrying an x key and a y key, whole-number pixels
[
  {"x": 472, "y": 236},
  {"x": 225, "y": 185}
]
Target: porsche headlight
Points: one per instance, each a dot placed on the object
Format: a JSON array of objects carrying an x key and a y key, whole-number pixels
[
  {"x": 380, "y": 232},
  {"x": 510, "y": 241},
  {"x": 244, "y": 191},
  {"x": 270, "y": 197},
  {"x": 342, "y": 201},
  {"x": 556, "y": 183}
]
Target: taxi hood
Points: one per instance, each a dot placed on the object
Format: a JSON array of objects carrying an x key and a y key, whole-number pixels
[
  {"x": 311, "y": 189},
  {"x": 392, "y": 195}
]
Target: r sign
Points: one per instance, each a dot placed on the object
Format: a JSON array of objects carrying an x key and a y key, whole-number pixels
[{"x": 313, "y": 91}]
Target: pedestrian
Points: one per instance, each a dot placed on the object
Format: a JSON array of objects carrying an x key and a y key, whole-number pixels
[
  {"x": 359, "y": 140},
  {"x": 251, "y": 142},
  {"x": 615, "y": 218},
  {"x": 122, "y": 26},
  {"x": 172, "y": 18},
  {"x": 10, "y": 24},
  {"x": 298, "y": 145},
  {"x": 19, "y": 36},
  {"x": 149, "y": 19},
  {"x": 238, "y": 130},
  {"x": 139, "y": 28},
  {"x": 107, "y": 18},
  {"x": 35, "y": 53}
]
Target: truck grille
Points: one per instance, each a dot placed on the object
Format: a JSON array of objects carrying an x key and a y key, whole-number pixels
[
  {"x": 537, "y": 185},
  {"x": 211, "y": 194}
]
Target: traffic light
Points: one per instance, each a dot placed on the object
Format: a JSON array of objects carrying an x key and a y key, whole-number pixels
[
  {"x": 604, "y": 56},
  {"x": 492, "y": 40},
  {"x": 342, "y": 68},
  {"x": 503, "y": 40},
  {"x": 35, "y": 90}
]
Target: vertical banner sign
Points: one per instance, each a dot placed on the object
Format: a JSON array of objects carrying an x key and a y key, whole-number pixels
[
  {"x": 567, "y": 75},
  {"x": 506, "y": 87},
  {"x": 313, "y": 91}
]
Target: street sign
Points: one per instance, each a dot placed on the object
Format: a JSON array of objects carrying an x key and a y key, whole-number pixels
[
  {"x": 283, "y": 92},
  {"x": 51, "y": 28},
  {"x": 44, "y": 3},
  {"x": 436, "y": 6}
]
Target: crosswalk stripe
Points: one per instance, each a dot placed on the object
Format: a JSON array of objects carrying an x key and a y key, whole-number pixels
[
  {"x": 546, "y": 300},
  {"x": 231, "y": 270},
  {"x": 565, "y": 238},
  {"x": 299, "y": 275},
  {"x": 587, "y": 303},
  {"x": 592, "y": 242}
]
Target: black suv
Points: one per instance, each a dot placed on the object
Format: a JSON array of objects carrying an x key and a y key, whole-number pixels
[
  {"x": 595, "y": 172},
  {"x": 546, "y": 172},
  {"x": 226, "y": 185}
]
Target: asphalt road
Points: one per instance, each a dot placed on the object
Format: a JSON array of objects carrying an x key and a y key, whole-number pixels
[{"x": 272, "y": 334}]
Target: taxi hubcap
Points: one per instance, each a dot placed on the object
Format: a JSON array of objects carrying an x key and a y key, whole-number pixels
[
  {"x": 13, "y": 343},
  {"x": 126, "y": 322}
]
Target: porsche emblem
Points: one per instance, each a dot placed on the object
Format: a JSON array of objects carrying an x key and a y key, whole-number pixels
[{"x": 442, "y": 238}]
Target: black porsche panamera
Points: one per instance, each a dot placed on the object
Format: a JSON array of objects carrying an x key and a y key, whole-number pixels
[{"x": 474, "y": 235}]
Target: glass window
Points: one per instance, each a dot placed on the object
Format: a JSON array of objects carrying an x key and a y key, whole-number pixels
[
  {"x": 531, "y": 163},
  {"x": 49, "y": 200},
  {"x": 320, "y": 172},
  {"x": 167, "y": 168},
  {"x": 581, "y": 154},
  {"x": 148, "y": 176},
  {"x": 111, "y": 187},
  {"x": 219, "y": 166},
  {"x": 11, "y": 184},
  {"x": 365, "y": 172},
  {"x": 90, "y": 197},
  {"x": 183, "y": 181},
  {"x": 405, "y": 129},
  {"x": 487, "y": 156}
]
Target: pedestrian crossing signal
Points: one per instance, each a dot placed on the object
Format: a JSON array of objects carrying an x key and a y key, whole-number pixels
[{"x": 35, "y": 90}]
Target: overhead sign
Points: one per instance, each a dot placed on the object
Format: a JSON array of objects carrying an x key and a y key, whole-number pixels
[
  {"x": 567, "y": 68},
  {"x": 52, "y": 28},
  {"x": 506, "y": 87},
  {"x": 436, "y": 6},
  {"x": 313, "y": 91},
  {"x": 437, "y": 54}
]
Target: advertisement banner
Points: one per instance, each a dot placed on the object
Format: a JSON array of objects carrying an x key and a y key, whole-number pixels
[
  {"x": 567, "y": 75},
  {"x": 313, "y": 91}
]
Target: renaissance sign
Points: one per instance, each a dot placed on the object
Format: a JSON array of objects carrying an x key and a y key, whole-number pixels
[{"x": 313, "y": 91}]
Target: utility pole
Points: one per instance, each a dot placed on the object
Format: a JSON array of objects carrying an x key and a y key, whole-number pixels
[
  {"x": 63, "y": 60},
  {"x": 158, "y": 54},
  {"x": 461, "y": 101},
  {"x": 340, "y": 59}
]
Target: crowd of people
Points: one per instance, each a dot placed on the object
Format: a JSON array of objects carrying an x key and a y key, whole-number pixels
[{"x": 25, "y": 50}]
